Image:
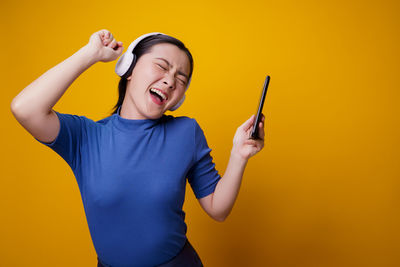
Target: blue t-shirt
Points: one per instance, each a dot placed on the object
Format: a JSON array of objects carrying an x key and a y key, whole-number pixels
[{"x": 132, "y": 179}]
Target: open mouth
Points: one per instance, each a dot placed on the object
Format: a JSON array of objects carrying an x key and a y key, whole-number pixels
[{"x": 157, "y": 96}]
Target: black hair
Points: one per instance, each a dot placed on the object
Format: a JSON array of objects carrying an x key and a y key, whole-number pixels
[{"x": 144, "y": 47}]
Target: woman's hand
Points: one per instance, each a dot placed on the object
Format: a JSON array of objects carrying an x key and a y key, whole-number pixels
[
  {"x": 103, "y": 46},
  {"x": 242, "y": 144}
]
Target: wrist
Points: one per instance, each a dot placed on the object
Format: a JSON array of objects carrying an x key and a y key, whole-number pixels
[
  {"x": 236, "y": 155},
  {"x": 89, "y": 56}
]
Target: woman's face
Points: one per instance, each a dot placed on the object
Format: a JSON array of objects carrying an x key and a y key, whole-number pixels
[{"x": 165, "y": 68}]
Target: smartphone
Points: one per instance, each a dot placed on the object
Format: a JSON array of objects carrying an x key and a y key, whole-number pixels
[{"x": 254, "y": 131}]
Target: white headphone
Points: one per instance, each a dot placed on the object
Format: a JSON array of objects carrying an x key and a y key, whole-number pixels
[{"x": 129, "y": 58}]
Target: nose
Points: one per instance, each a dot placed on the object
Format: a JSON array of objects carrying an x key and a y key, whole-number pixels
[{"x": 170, "y": 81}]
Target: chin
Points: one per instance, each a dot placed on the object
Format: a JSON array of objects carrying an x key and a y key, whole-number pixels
[{"x": 157, "y": 115}]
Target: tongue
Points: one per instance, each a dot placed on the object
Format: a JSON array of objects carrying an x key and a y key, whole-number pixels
[{"x": 158, "y": 96}]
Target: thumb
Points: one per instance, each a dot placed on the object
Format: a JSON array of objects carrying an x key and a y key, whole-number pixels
[
  {"x": 120, "y": 49},
  {"x": 247, "y": 124}
]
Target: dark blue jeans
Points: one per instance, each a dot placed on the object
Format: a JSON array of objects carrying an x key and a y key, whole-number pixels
[{"x": 187, "y": 257}]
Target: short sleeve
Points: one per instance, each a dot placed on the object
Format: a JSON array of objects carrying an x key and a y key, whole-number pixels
[
  {"x": 69, "y": 138},
  {"x": 202, "y": 176}
]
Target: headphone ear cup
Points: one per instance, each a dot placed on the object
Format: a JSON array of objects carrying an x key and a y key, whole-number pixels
[
  {"x": 178, "y": 104},
  {"x": 124, "y": 64},
  {"x": 132, "y": 65}
]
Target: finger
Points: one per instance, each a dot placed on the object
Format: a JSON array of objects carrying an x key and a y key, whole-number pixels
[
  {"x": 105, "y": 40},
  {"x": 261, "y": 132},
  {"x": 117, "y": 45},
  {"x": 108, "y": 40},
  {"x": 101, "y": 35},
  {"x": 104, "y": 34},
  {"x": 257, "y": 145},
  {"x": 250, "y": 142},
  {"x": 113, "y": 43}
]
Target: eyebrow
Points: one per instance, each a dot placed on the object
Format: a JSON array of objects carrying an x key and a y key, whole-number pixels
[{"x": 179, "y": 72}]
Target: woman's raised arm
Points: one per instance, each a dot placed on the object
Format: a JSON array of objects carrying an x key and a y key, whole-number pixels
[{"x": 32, "y": 107}]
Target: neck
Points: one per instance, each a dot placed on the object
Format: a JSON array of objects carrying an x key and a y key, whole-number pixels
[{"x": 129, "y": 111}]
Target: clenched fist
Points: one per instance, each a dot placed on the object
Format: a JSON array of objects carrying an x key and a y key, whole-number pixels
[{"x": 104, "y": 47}]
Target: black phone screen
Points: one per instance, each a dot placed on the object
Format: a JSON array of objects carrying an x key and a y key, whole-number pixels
[{"x": 254, "y": 131}]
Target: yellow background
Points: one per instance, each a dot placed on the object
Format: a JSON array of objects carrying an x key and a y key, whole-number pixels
[{"x": 324, "y": 191}]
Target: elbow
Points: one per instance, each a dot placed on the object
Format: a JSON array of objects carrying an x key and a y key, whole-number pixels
[
  {"x": 15, "y": 108},
  {"x": 220, "y": 218},
  {"x": 23, "y": 112}
]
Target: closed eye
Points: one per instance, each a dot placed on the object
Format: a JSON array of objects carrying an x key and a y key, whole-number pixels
[
  {"x": 183, "y": 82},
  {"x": 161, "y": 66}
]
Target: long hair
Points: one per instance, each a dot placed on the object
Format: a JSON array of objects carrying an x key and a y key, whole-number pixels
[{"x": 144, "y": 47}]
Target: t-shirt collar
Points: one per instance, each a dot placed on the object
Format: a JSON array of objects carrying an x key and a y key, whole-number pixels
[{"x": 136, "y": 124}]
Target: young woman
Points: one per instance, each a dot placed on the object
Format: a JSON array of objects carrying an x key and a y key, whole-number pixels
[{"x": 131, "y": 167}]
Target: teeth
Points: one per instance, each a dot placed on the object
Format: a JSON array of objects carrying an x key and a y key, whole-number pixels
[{"x": 159, "y": 93}]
